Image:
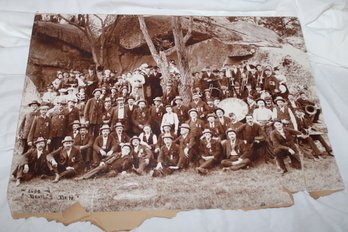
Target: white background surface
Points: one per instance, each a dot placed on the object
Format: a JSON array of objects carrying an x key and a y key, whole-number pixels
[{"x": 325, "y": 27}]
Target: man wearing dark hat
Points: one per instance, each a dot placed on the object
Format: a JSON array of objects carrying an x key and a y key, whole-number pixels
[
  {"x": 92, "y": 80},
  {"x": 283, "y": 140},
  {"x": 66, "y": 161},
  {"x": 93, "y": 112},
  {"x": 169, "y": 94},
  {"x": 104, "y": 145},
  {"x": 143, "y": 157},
  {"x": 284, "y": 113},
  {"x": 156, "y": 113},
  {"x": 40, "y": 127},
  {"x": 119, "y": 135},
  {"x": 168, "y": 158},
  {"x": 271, "y": 83},
  {"x": 84, "y": 142},
  {"x": 26, "y": 123},
  {"x": 210, "y": 152},
  {"x": 112, "y": 165},
  {"x": 108, "y": 111},
  {"x": 180, "y": 109},
  {"x": 155, "y": 82},
  {"x": 72, "y": 114},
  {"x": 140, "y": 117},
  {"x": 32, "y": 163},
  {"x": 187, "y": 145}
]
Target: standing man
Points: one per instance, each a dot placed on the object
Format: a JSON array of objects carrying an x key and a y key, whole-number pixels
[
  {"x": 156, "y": 113},
  {"x": 140, "y": 117},
  {"x": 284, "y": 113},
  {"x": 24, "y": 127},
  {"x": 40, "y": 127},
  {"x": 59, "y": 125},
  {"x": 93, "y": 112}
]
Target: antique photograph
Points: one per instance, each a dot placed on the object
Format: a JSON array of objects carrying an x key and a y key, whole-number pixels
[{"x": 142, "y": 112}]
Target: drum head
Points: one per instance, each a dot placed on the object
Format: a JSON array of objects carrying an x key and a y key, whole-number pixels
[{"x": 236, "y": 106}]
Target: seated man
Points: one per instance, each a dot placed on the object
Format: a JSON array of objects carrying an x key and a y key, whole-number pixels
[
  {"x": 210, "y": 152},
  {"x": 284, "y": 145},
  {"x": 119, "y": 136},
  {"x": 186, "y": 146},
  {"x": 168, "y": 158},
  {"x": 113, "y": 164},
  {"x": 142, "y": 155},
  {"x": 104, "y": 145},
  {"x": 66, "y": 161},
  {"x": 32, "y": 163},
  {"x": 84, "y": 142},
  {"x": 232, "y": 148},
  {"x": 148, "y": 137}
]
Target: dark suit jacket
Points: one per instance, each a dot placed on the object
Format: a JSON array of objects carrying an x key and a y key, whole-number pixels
[
  {"x": 37, "y": 166},
  {"x": 250, "y": 133},
  {"x": 214, "y": 150},
  {"x": 279, "y": 142},
  {"x": 40, "y": 128},
  {"x": 61, "y": 157},
  {"x": 110, "y": 144},
  {"x": 169, "y": 157},
  {"x": 188, "y": 142},
  {"x": 93, "y": 111},
  {"x": 227, "y": 148},
  {"x": 84, "y": 143}
]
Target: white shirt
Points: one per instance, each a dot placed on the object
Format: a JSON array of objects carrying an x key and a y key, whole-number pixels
[{"x": 172, "y": 119}]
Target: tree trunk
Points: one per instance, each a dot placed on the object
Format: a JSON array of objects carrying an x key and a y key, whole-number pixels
[
  {"x": 159, "y": 58},
  {"x": 183, "y": 63}
]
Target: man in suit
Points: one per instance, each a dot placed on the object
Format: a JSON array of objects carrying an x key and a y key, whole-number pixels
[
  {"x": 200, "y": 106},
  {"x": 104, "y": 145},
  {"x": 168, "y": 158},
  {"x": 156, "y": 113},
  {"x": 215, "y": 128},
  {"x": 40, "y": 127},
  {"x": 283, "y": 140},
  {"x": 232, "y": 147},
  {"x": 93, "y": 112},
  {"x": 254, "y": 138},
  {"x": 119, "y": 136},
  {"x": 140, "y": 117},
  {"x": 169, "y": 94},
  {"x": 284, "y": 113},
  {"x": 32, "y": 163},
  {"x": 59, "y": 125},
  {"x": 113, "y": 164},
  {"x": 186, "y": 144},
  {"x": 303, "y": 101},
  {"x": 143, "y": 156},
  {"x": 222, "y": 119},
  {"x": 210, "y": 152},
  {"x": 66, "y": 161},
  {"x": 180, "y": 109},
  {"x": 121, "y": 114},
  {"x": 25, "y": 125},
  {"x": 271, "y": 83},
  {"x": 196, "y": 125},
  {"x": 84, "y": 142},
  {"x": 72, "y": 114}
]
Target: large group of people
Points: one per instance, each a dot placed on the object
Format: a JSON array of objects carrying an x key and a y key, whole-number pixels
[{"x": 99, "y": 123}]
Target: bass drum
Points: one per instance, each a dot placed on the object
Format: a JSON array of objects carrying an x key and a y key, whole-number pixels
[{"x": 234, "y": 105}]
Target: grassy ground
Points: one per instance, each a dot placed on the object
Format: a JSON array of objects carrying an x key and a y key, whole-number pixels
[{"x": 255, "y": 187}]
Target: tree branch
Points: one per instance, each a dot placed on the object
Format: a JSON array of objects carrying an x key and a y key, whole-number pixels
[
  {"x": 73, "y": 24},
  {"x": 189, "y": 32},
  {"x": 147, "y": 38}
]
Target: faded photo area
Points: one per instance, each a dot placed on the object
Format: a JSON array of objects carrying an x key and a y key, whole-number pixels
[{"x": 129, "y": 113}]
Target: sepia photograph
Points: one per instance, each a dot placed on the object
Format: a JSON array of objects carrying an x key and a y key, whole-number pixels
[{"x": 145, "y": 112}]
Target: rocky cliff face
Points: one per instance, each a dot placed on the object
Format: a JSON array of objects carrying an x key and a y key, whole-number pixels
[{"x": 214, "y": 41}]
